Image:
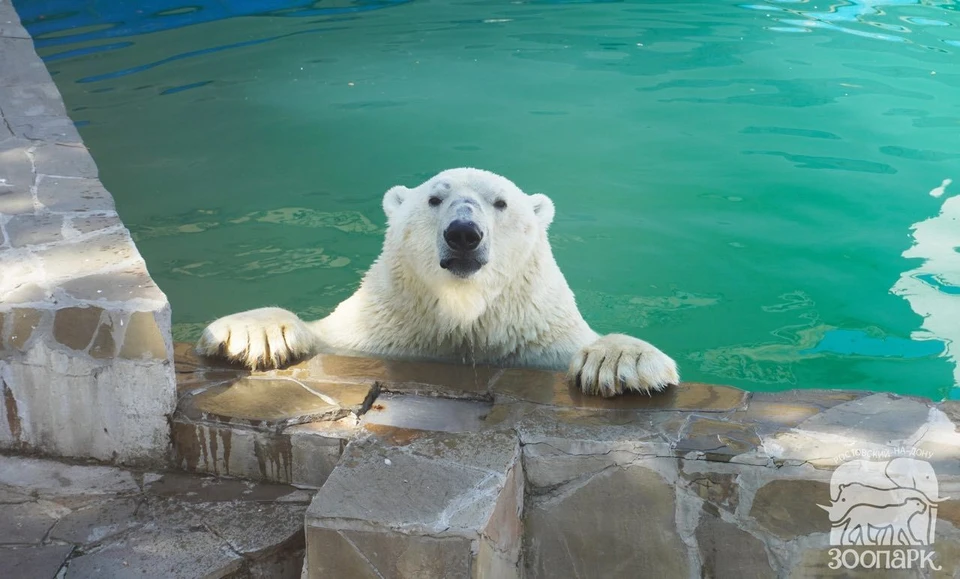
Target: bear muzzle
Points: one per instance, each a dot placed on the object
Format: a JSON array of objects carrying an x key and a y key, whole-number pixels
[{"x": 465, "y": 252}]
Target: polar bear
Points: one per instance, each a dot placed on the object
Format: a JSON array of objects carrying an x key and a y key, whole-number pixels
[{"x": 466, "y": 275}]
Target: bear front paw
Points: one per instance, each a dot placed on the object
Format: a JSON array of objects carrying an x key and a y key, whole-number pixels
[
  {"x": 616, "y": 363},
  {"x": 259, "y": 339}
]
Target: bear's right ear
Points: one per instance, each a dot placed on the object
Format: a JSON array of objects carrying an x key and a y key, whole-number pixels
[{"x": 393, "y": 199}]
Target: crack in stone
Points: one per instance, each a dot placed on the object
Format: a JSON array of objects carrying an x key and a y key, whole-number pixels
[
  {"x": 464, "y": 502},
  {"x": 233, "y": 548},
  {"x": 558, "y": 492},
  {"x": 328, "y": 399},
  {"x": 6, "y": 123},
  {"x": 369, "y": 399},
  {"x": 362, "y": 556},
  {"x": 449, "y": 463}
]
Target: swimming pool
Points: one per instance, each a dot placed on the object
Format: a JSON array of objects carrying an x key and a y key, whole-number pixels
[{"x": 759, "y": 189}]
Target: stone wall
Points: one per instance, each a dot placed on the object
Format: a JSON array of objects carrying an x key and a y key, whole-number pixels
[
  {"x": 430, "y": 470},
  {"x": 85, "y": 346}
]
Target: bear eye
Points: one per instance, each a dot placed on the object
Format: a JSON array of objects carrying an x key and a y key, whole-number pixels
[
  {"x": 500, "y": 204},
  {"x": 435, "y": 201}
]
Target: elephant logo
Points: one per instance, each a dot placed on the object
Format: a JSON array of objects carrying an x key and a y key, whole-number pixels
[{"x": 883, "y": 503}]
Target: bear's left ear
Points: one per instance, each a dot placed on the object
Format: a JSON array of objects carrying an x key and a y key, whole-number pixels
[
  {"x": 543, "y": 208},
  {"x": 393, "y": 199}
]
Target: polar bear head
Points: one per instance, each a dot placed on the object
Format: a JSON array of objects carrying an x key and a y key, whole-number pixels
[{"x": 465, "y": 231}]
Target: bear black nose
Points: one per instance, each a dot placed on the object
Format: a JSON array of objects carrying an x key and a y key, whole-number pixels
[{"x": 463, "y": 235}]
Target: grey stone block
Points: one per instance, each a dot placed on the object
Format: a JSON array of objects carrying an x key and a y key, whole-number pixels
[
  {"x": 27, "y": 523},
  {"x": 32, "y": 100},
  {"x": 303, "y": 454},
  {"x": 728, "y": 551},
  {"x": 33, "y": 562},
  {"x": 25, "y": 230},
  {"x": 52, "y": 129},
  {"x": 95, "y": 523},
  {"x": 15, "y": 201},
  {"x": 53, "y": 479},
  {"x": 428, "y": 413},
  {"x": 64, "y": 160},
  {"x": 16, "y": 171},
  {"x": 20, "y": 64},
  {"x": 10, "y": 26},
  {"x": 160, "y": 553},
  {"x": 433, "y": 505},
  {"x": 621, "y": 520},
  {"x": 61, "y": 194},
  {"x": 70, "y": 404}
]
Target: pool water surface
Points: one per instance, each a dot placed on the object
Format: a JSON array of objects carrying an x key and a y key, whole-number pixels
[{"x": 762, "y": 190}]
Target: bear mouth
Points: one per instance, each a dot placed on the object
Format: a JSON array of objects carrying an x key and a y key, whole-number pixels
[{"x": 461, "y": 266}]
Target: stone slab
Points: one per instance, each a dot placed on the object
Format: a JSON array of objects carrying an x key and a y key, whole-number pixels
[
  {"x": 880, "y": 418},
  {"x": 715, "y": 439},
  {"x": 787, "y": 508},
  {"x": 176, "y": 525},
  {"x": 26, "y": 523},
  {"x": 33, "y": 562},
  {"x": 304, "y": 454},
  {"x": 373, "y": 516},
  {"x": 276, "y": 400},
  {"x": 10, "y": 26},
  {"x": 93, "y": 524},
  {"x": 60, "y": 194},
  {"x": 53, "y": 129},
  {"x": 160, "y": 553},
  {"x": 555, "y": 389},
  {"x": 381, "y": 555},
  {"x": 32, "y": 100},
  {"x": 52, "y": 478},
  {"x": 728, "y": 551},
  {"x": 620, "y": 521},
  {"x": 20, "y": 64},
  {"x": 428, "y": 413},
  {"x": 451, "y": 380}
]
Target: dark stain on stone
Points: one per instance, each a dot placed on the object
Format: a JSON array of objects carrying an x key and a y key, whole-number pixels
[
  {"x": 186, "y": 445},
  {"x": 213, "y": 452},
  {"x": 202, "y": 444},
  {"x": 718, "y": 490},
  {"x": 275, "y": 458},
  {"x": 394, "y": 435},
  {"x": 13, "y": 416},
  {"x": 369, "y": 400},
  {"x": 226, "y": 438}
]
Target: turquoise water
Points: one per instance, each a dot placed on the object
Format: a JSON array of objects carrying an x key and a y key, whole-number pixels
[{"x": 737, "y": 183}]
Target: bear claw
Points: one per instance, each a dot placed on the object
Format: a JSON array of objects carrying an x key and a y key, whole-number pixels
[
  {"x": 616, "y": 363},
  {"x": 259, "y": 339}
]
